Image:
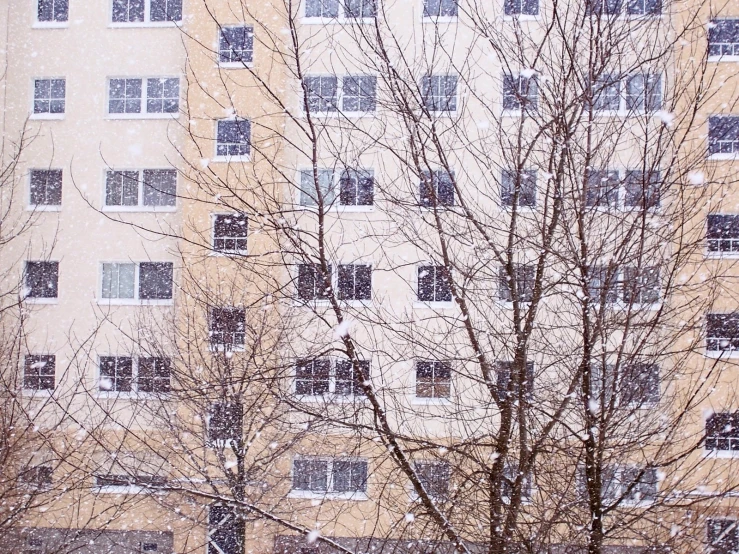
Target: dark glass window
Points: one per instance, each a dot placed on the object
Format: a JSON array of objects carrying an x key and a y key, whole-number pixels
[
  {"x": 437, "y": 188},
  {"x": 166, "y": 10},
  {"x": 125, "y": 96},
  {"x": 348, "y": 475},
  {"x": 723, "y": 134},
  {"x": 53, "y": 10},
  {"x": 644, "y": 92},
  {"x": 160, "y": 187},
  {"x": 524, "y": 276},
  {"x": 122, "y": 188},
  {"x": 42, "y": 279},
  {"x": 312, "y": 377},
  {"x": 154, "y": 375},
  {"x": 520, "y": 186},
  {"x": 433, "y": 379},
  {"x": 162, "y": 95},
  {"x": 357, "y": 188},
  {"x": 503, "y": 372},
  {"x": 644, "y": 7},
  {"x": 229, "y": 232},
  {"x": 722, "y": 432},
  {"x": 128, "y": 11},
  {"x": 49, "y": 96},
  {"x": 723, "y": 233},
  {"x": 641, "y": 285},
  {"x": 603, "y": 285},
  {"x": 310, "y": 475},
  {"x": 439, "y": 93},
  {"x": 603, "y": 187},
  {"x": 723, "y": 37},
  {"x": 312, "y": 183},
  {"x": 226, "y": 531},
  {"x": 321, "y": 93},
  {"x": 521, "y": 7},
  {"x": 227, "y": 327},
  {"x": 642, "y": 190},
  {"x": 236, "y": 45},
  {"x": 321, "y": 8},
  {"x": 225, "y": 422},
  {"x": 723, "y": 535},
  {"x": 312, "y": 283},
  {"x": 440, "y": 8},
  {"x": 37, "y": 476},
  {"x": 433, "y": 284},
  {"x": 640, "y": 384},
  {"x": 434, "y": 477},
  {"x": 39, "y": 372},
  {"x": 349, "y": 382},
  {"x": 233, "y": 137},
  {"x": 355, "y": 282},
  {"x": 603, "y": 7},
  {"x": 722, "y": 332},
  {"x": 607, "y": 93},
  {"x": 359, "y": 93},
  {"x": 508, "y": 483},
  {"x": 46, "y": 187},
  {"x": 116, "y": 373},
  {"x": 520, "y": 93},
  {"x": 155, "y": 280},
  {"x": 360, "y": 8}
]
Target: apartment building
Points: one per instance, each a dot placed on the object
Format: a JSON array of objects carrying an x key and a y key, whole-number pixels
[{"x": 259, "y": 231}]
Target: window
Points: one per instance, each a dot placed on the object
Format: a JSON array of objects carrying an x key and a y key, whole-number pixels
[
  {"x": 46, "y": 187},
  {"x": 642, "y": 190},
  {"x": 321, "y": 94},
  {"x": 322, "y": 192},
  {"x": 128, "y": 480},
  {"x": 723, "y": 233},
  {"x": 319, "y": 377},
  {"x": 49, "y": 97},
  {"x": 148, "y": 188},
  {"x": 723, "y": 37},
  {"x": 520, "y": 93},
  {"x": 603, "y": 188},
  {"x": 633, "y": 7},
  {"x": 433, "y": 284},
  {"x": 146, "y": 11},
  {"x": 229, "y": 232},
  {"x": 126, "y": 96},
  {"x": 440, "y": 8},
  {"x": 510, "y": 473},
  {"x": 356, "y": 187},
  {"x": 434, "y": 477},
  {"x": 503, "y": 372},
  {"x": 332, "y": 9},
  {"x": 39, "y": 372},
  {"x": 49, "y": 11},
  {"x": 127, "y": 374},
  {"x": 233, "y": 137},
  {"x": 329, "y": 475},
  {"x": 603, "y": 285},
  {"x": 634, "y": 384},
  {"x": 524, "y": 276},
  {"x": 137, "y": 281},
  {"x": 42, "y": 280},
  {"x": 236, "y": 45},
  {"x": 722, "y": 332},
  {"x": 355, "y": 282},
  {"x": 227, "y": 328},
  {"x": 644, "y": 7},
  {"x": 521, "y": 7},
  {"x": 225, "y": 423},
  {"x": 723, "y": 536},
  {"x": 603, "y": 7},
  {"x": 439, "y": 93},
  {"x": 723, "y": 135},
  {"x": 225, "y": 531},
  {"x": 37, "y": 477},
  {"x": 433, "y": 379},
  {"x": 722, "y": 432},
  {"x": 607, "y": 93},
  {"x": 437, "y": 188},
  {"x": 518, "y": 188},
  {"x": 644, "y": 92},
  {"x": 617, "y": 480},
  {"x": 312, "y": 283},
  {"x": 641, "y": 285},
  {"x": 358, "y": 94}
]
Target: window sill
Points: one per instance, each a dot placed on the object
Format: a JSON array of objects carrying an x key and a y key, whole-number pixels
[
  {"x": 43, "y": 208},
  {"x": 423, "y": 401},
  {"x": 330, "y": 398},
  {"x": 712, "y": 255},
  {"x": 227, "y": 253},
  {"x": 47, "y": 116},
  {"x": 439, "y": 19},
  {"x": 130, "y": 489},
  {"x": 50, "y": 25},
  {"x": 357, "y": 496},
  {"x": 140, "y": 209},
  {"x": 235, "y": 65},
  {"x": 337, "y": 21},
  {"x": 37, "y": 393},
  {"x": 130, "y": 395},
  {"x": 519, "y": 209},
  {"x": 420, "y": 304},
  {"x": 135, "y": 302},
  {"x": 727, "y": 58},
  {"x": 129, "y": 116},
  {"x": 231, "y": 159},
  {"x": 522, "y": 17},
  {"x": 723, "y": 354},
  {"x": 720, "y": 454},
  {"x": 505, "y": 305},
  {"x": 144, "y": 24},
  {"x": 222, "y": 348},
  {"x": 35, "y": 300},
  {"x": 337, "y": 208},
  {"x": 722, "y": 157}
]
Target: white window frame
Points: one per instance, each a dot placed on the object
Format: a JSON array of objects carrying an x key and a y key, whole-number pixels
[
  {"x": 134, "y": 392},
  {"x": 146, "y": 22},
  {"x": 143, "y": 114},
  {"x": 135, "y": 301},
  {"x": 519, "y": 112},
  {"x": 723, "y": 354},
  {"x": 226, "y": 253},
  {"x": 329, "y": 494},
  {"x": 335, "y": 285},
  {"x": 721, "y": 156},
  {"x": 431, "y": 400},
  {"x": 341, "y": 20},
  {"x": 36, "y": 392},
  {"x": 620, "y": 204},
  {"x": 331, "y": 395},
  {"x": 229, "y": 159},
  {"x": 30, "y": 206},
  {"x": 647, "y": 404},
  {"x": 421, "y": 304},
  {"x": 721, "y": 57},
  {"x": 220, "y": 347},
  {"x": 336, "y": 205},
  {"x": 47, "y": 116},
  {"x": 718, "y": 254},
  {"x": 413, "y": 495},
  {"x": 48, "y": 24},
  {"x": 623, "y": 110},
  {"x": 39, "y": 299},
  {"x": 339, "y": 112},
  {"x": 217, "y": 47},
  {"x": 139, "y": 207}
]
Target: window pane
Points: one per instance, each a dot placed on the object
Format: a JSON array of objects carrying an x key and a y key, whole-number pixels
[
  {"x": 42, "y": 279},
  {"x": 310, "y": 475},
  {"x": 233, "y": 136},
  {"x": 162, "y": 95},
  {"x": 160, "y": 187},
  {"x": 154, "y": 375},
  {"x": 39, "y": 372},
  {"x": 116, "y": 374},
  {"x": 225, "y": 531},
  {"x": 118, "y": 280},
  {"x": 312, "y": 377},
  {"x": 46, "y": 187},
  {"x": 321, "y": 8},
  {"x": 309, "y": 189},
  {"x": 236, "y": 45},
  {"x": 227, "y": 326},
  {"x": 349, "y": 475},
  {"x": 128, "y": 11},
  {"x": 166, "y": 10},
  {"x": 229, "y": 232},
  {"x": 155, "y": 280}
]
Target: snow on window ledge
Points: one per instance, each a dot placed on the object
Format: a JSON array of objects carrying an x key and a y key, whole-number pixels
[
  {"x": 142, "y": 115},
  {"x": 47, "y": 116},
  {"x": 725, "y": 58},
  {"x": 43, "y": 208},
  {"x": 720, "y": 454},
  {"x": 142, "y": 24},
  {"x": 34, "y": 300},
  {"x": 231, "y": 159},
  {"x": 723, "y": 354},
  {"x": 140, "y": 209},
  {"x": 720, "y": 157},
  {"x": 50, "y": 25},
  {"x": 430, "y": 401},
  {"x": 135, "y": 302},
  {"x": 316, "y": 495},
  {"x": 235, "y": 65}
]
